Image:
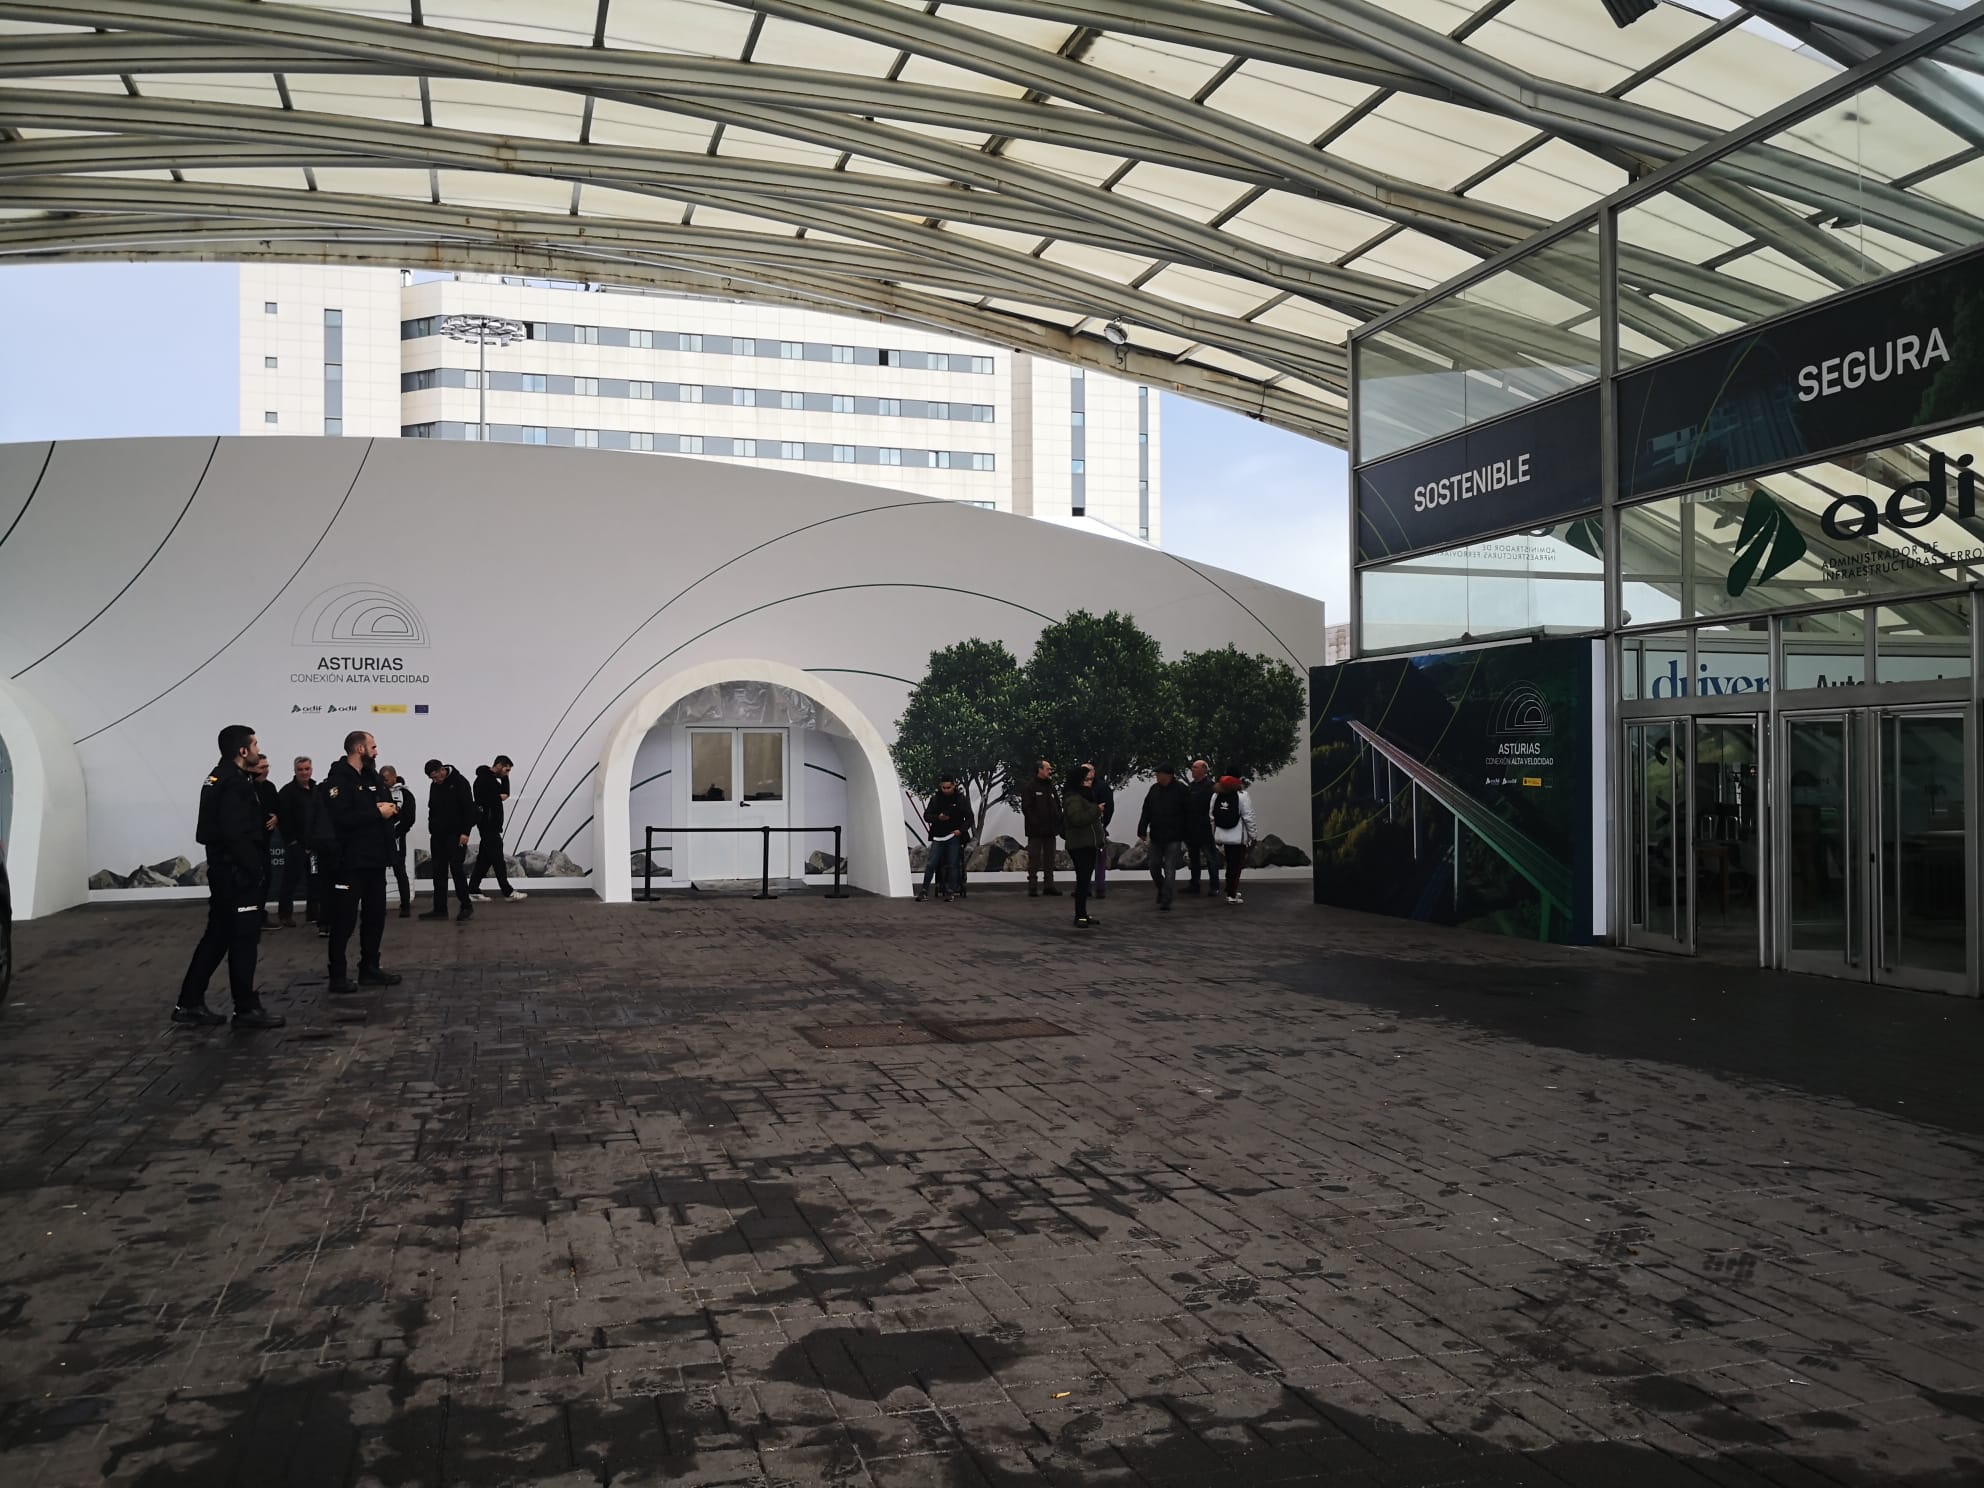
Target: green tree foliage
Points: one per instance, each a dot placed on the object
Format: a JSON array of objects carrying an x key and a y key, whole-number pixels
[
  {"x": 1244, "y": 711},
  {"x": 1096, "y": 689},
  {"x": 959, "y": 721}
]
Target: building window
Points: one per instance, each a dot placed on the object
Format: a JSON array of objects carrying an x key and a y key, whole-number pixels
[
  {"x": 688, "y": 341},
  {"x": 471, "y": 432},
  {"x": 537, "y": 330},
  {"x": 981, "y": 413},
  {"x": 640, "y": 390},
  {"x": 889, "y": 407},
  {"x": 891, "y": 456},
  {"x": 586, "y": 335},
  {"x": 1079, "y": 467},
  {"x": 692, "y": 444},
  {"x": 981, "y": 462},
  {"x": 333, "y": 372},
  {"x": 268, "y": 416},
  {"x": 586, "y": 438},
  {"x": 791, "y": 451},
  {"x": 334, "y": 426},
  {"x": 1144, "y": 533},
  {"x": 642, "y": 339},
  {"x": 843, "y": 454},
  {"x": 744, "y": 397},
  {"x": 533, "y": 382},
  {"x": 268, "y": 307},
  {"x": 792, "y": 351},
  {"x": 982, "y": 365},
  {"x": 691, "y": 392},
  {"x": 744, "y": 345},
  {"x": 937, "y": 410},
  {"x": 941, "y": 459},
  {"x": 585, "y": 387},
  {"x": 1143, "y": 439},
  {"x": 748, "y": 448},
  {"x": 791, "y": 400},
  {"x": 269, "y": 362},
  {"x": 844, "y": 353},
  {"x": 1143, "y": 488},
  {"x": 334, "y": 317},
  {"x": 843, "y": 403},
  {"x": 640, "y": 442},
  {"x": 1080, "y": 418},
  {"x": 940, "y": 361},
  {"x": 410, "y": 330},
  {"x": 890, "y": 357},
  {"x": 534, "y": 434}
]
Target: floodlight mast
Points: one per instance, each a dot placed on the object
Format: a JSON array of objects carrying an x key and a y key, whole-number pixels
[{"x": 484, "y": 331}]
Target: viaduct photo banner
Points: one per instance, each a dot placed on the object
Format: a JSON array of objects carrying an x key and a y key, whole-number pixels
[
  {"x": 1899, "y": 357},
  {"x": 1528, "y": 468},
  {"x": 1456, "y": 788}
]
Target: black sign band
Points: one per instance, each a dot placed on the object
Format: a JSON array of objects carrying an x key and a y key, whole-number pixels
[{"x": 1524, "y": 470}]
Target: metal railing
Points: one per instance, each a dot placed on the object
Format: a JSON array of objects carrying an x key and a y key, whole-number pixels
[{"x": 648, "y": 850}]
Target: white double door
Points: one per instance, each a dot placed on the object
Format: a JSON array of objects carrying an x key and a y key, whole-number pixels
[{"x": 738, "y": 777}]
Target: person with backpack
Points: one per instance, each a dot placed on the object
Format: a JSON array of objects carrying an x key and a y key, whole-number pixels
[
  {"x": 402, "y": 797},
  {"x": 1233, "y": 829},
  {"x": 1081, "y": 828},
  {"x": 356, "y": 813}
]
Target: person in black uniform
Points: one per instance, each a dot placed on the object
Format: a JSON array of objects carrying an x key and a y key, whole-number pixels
[
  {"x": 297, "y": 868},
  {"x": 1199, "y": 847},
  {"x": 450, "y": 818},
  {"x": 359, "y": 817},
  {"x": 401, "y": 795},
  {"x": 271, "y": 804},
  {"x": 231, "y": 831},
  {"x": 492, "y": 789}
]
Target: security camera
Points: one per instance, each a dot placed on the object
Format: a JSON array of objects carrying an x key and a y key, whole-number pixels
[{"x": 1116, "y": 333}]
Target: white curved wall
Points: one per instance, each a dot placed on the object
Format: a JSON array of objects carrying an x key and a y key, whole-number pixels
[
  {"x": 153, "y": 590},
  {"x": 47, "y": 847}
]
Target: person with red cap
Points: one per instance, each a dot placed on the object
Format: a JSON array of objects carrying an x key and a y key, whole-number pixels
[{"x": 1233, "y": 829}]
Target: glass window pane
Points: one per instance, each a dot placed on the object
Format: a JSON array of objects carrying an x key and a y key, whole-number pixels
[
  {"x": 764, "y": 766},
  {"x": 709, "y": 765},
  {"x": 1547, "y": 580},
  {"x": 1732, "y": 660},
  {"x": 1828, "y": 650},
  {"x": 1923, "y": 641}
]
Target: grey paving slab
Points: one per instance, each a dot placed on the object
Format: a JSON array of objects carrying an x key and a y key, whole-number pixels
[{"x": 1297, "y": 1197}]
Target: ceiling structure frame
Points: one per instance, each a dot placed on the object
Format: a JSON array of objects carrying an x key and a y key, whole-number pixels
[{"x": 1026, "y": 171}]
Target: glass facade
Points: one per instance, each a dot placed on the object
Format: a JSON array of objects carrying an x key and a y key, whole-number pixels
[{"x": 1766, "y": 366}]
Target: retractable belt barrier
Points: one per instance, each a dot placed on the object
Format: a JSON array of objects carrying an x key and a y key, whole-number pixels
[{"x": 648, "y": 850}]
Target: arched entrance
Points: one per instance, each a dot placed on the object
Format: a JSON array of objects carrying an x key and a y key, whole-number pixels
[
  {"x": 875, "y": 844},
  {"x": 44, "y": 818}
]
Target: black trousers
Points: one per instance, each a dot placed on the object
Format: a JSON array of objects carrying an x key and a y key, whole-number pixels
[
  {"x": 298, "y": 872},
  {"x": 489, "y": 856},
  {"x": 448, "y": 858},
  {"x": 358, "y": 901},
  {"x": 233, "y": 935},
  {"x": 1197, "y": 852},
  {"x": 399, "y": 870},
  {"x": 1085, "y": 858}
]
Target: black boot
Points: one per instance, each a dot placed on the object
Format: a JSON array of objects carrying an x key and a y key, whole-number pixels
[
  {"x": 198, "y": 1015},
  {"x": 406, "y": 909},
  {"x": 435, "y": 914},
  {"x": 257, "y": 1016},
  {"x": 375, "y": 976},
  {"x": 468, "y": 913}
]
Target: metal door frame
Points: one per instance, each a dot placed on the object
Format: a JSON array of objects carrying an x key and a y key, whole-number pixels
[
  {"x": 1682, "y": 942},
  {"x": 1760, "y": 723},
  {"x": 1852, "y": 963},
  {"x": 1915, "y": 979}
]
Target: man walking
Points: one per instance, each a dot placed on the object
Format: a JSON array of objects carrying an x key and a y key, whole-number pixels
[
  {"x": 492, "y": 789},
  {"x": 1166, "y": 825},
  {"x": 450, "y": 818},
  {"x": 401, "y": 795},
  {"x": 293, "y": 816},
  {"x": 1199, "y": 844},
  {"x": 1040, "y": 805},
  {"x": 230, "y": 828},
  {"x": 1104, "y": 795},
  {"x": 269, "y": 805},
  {"x": 358, "y": 819},
  {"x": 948, "y": 816}
]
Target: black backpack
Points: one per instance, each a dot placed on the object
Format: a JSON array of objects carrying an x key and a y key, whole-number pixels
[{"x": 1226, "y": 809}]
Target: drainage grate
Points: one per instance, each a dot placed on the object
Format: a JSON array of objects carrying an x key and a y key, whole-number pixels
[{"x": 967, "y": 1031}]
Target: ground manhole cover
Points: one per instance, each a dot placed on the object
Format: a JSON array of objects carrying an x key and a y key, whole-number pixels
[{"x": 967, "y": 1031}]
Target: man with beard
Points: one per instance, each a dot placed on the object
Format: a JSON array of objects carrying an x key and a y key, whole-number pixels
[
  {"x": 358, "y": 816},
  {"x": 230, "y": 828}
]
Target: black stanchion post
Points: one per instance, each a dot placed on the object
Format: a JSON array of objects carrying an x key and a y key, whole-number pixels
[
  {"x": 836, "y": 890},
  {"x": 765, "y": 883},
  {"x": 647, "y": 865}
]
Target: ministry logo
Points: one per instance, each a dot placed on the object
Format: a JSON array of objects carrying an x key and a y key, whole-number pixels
[{"x": 366, "y": 614}]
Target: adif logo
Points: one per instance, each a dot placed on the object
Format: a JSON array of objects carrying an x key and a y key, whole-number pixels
[{"x": 368, "y": 613}]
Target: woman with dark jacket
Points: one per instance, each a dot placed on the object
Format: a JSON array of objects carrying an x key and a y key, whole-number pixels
[{"x": 1081, "y": 828}]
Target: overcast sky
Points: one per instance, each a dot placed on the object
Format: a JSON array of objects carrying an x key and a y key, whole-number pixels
[{"x": 101, "y": 350}]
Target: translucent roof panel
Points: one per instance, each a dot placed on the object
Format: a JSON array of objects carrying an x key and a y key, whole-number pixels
[{"x": 1201, "y": 194}]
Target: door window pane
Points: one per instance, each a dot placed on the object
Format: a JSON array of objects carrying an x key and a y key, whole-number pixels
[
  {"x": 709, "y": 766},
  {"x": 1728, "y": 868},
  {"x": 1820, "y": 861},
  {"x": 1828, "y": 650},
  {"x": 1925, "y": 641},
  {"x": 764, "y": 766},
  {"x": 1924, "y": 919},
  {"x": 1655, "y": 784}
]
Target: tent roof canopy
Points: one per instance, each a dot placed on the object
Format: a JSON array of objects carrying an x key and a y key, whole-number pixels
[{"x": 1202, "y": 194}]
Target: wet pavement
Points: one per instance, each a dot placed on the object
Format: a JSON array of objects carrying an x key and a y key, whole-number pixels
[{"x": 718, "y": 1192}]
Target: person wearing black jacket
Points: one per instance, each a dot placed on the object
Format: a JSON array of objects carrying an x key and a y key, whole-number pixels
[
  {"x": 358, "y": 839},
  {"x": 1040, "y": 806},
  {"x": 268, "y": 800},
  {"x": 450, "y": 818},
  {"x": 1166, "y": 824},
  {"x": 1199, "y": 845},
  {"x": 293, "y": 819},
  {"x": 401, "y": 795},
  {"x": 230, "y": 828},
  {"x": 948, "y": 816},
  {"x": 1104, "y": 796},
  {"x": 492, "y": 789}
]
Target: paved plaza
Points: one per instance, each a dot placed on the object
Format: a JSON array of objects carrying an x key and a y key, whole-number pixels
[{"x": 719, "y": 1192}]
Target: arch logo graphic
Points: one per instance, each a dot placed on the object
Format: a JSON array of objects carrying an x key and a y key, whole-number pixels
[
  {"x": 360, "y": 633},
  {"x": 1521, "y": 727}
]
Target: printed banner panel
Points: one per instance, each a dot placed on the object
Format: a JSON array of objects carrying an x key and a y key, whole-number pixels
[
  {"x": 1900, "y": 357},
  {"x": 1527, "y": 469},
  {"x": 1456, "y": 788}
]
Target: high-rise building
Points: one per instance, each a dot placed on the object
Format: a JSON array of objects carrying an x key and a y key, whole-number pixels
[{"x": 366, "y": 352}]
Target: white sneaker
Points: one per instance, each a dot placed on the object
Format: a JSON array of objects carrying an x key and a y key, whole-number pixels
[
  {"x": 1239, "y": 899},
  {"x": 478, "y": 898},
  {"x": 516, "y": 894}
]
